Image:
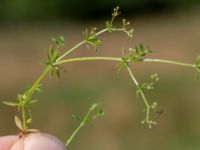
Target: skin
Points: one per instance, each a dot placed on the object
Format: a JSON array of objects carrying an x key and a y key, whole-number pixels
[{"x": 33, "y": 141}]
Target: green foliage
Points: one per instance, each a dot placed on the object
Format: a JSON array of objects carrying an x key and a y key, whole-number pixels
[
  {"x": 135, "y": 54},
  {"x": 23, "y": 103},
  {"x": 91, "y": 38},
  {"x": 89, "y": 116},
  {"x": 138, "y": 53},
  {"x": 147, "y": 111},
  {"x": 53, "y": 55},
  {"x": 125, "y": 24},
  {"x": 59, "y": 41},
  {"x": 148, "y": 85},
  {"x": 109, "y": 24}
]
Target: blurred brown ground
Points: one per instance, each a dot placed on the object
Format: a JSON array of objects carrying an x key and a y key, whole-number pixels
[{"x": 172, "y": 36}]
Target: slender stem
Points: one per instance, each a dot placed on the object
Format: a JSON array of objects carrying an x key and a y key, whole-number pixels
[
  {"x": 87, "y": 59},
  {"x": 23, "y": 117},
  {"x": 41, "y": 77},
  {"x": 78, "y": 45},
  {"x": 71, "y": 50},
  {"x": 112, "y": 20},
  {"x": 45, "y": 72},
  {"x": 74, "y": 134},
  {"x": 119, "y": 30},
  {"x": 138, "y": 87},
  {"x": 84, "y": 41},
  {"x": 60, "y": 61},
  {"x": 148, "y": 107},
  {"x": 84, "y": 121},
  {"x": 169, "y": 62},
  {"x": 29, "y": 95},
  {"x": 119, "y": 59},
  {"x": 102, "y": 31}
]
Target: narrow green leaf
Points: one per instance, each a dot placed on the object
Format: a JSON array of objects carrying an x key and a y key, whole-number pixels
[
  {"x": 13, "y": 104},
  {"x": 18, "y": 123},
  {"x": 33, "y": 130},
  {"x": 57, "y": 71},
  {"x": 29, "y": 121},
  {"x": 37, "y": 88},
  {"x": 33, "y": 101},
  {"x": 120, "y": 66},
  {"x": 76, "y": 117},
  {"x": 94, "y": 106},
  {"x": 52, "y": 72},
  {"x": 59, "y": 41},
  {"x": 99, "y": 114}
]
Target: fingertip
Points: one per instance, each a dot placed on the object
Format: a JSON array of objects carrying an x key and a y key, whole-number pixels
[
  {"x": 41, "y": 141},
  {"x": 6, "y": 142}
]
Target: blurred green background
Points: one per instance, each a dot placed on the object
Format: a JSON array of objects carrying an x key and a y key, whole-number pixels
[{"x": 169, "y": 27}]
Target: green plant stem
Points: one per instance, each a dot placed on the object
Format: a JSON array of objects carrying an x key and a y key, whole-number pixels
[
  {"x": 74, "y": 134},
  {"x": 112, "y": 20},
  {"x": 141, "y": 91},
  {"x": 60, "y": 61},
  {"x": 24, "y": 126},
  {"x": 41, "y": 77},
  {"x": 169, "y": 62},
  {"x": 120, "y": 30},
  {"x": 71, "y": 50},
  {"x": 102, "y": 31},
  {"x": 31, "y": 92},
  {"x": 79, "y": 45},
  {"x": 128, "y": 68},
  {"x": 88, "y": 59},
  {"x": 85, "y": 41},
  {"x": 119, "y": 59},
  {"x": 48, "y": 68},
  {"x": 84, "y": 121}
]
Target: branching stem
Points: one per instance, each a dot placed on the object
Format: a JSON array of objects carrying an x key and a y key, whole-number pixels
[
  {"x": 120, "y": 30},
  {"x": 148, "y": 107},
  {"x": 80, "y": 59},
  {"x": 137, "y": 85},
  {"x": 24, "y": 108},
  {"x": 79, "y": 45}
]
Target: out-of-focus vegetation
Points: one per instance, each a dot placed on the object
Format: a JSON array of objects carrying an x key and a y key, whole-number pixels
[{"x": 12, "y": 10}]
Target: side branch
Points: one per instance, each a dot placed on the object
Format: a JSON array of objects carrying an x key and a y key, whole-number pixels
[
  {"x": 147, "y": 119},
  {"x": 79, "y": 44},
  {"x": 89, "y": 116},
  {"x": 169, "y": 62},
  {"x": 88, "y": 59}
]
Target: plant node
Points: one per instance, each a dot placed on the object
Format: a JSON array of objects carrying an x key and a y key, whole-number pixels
[{"x": 91, "y": 38}]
